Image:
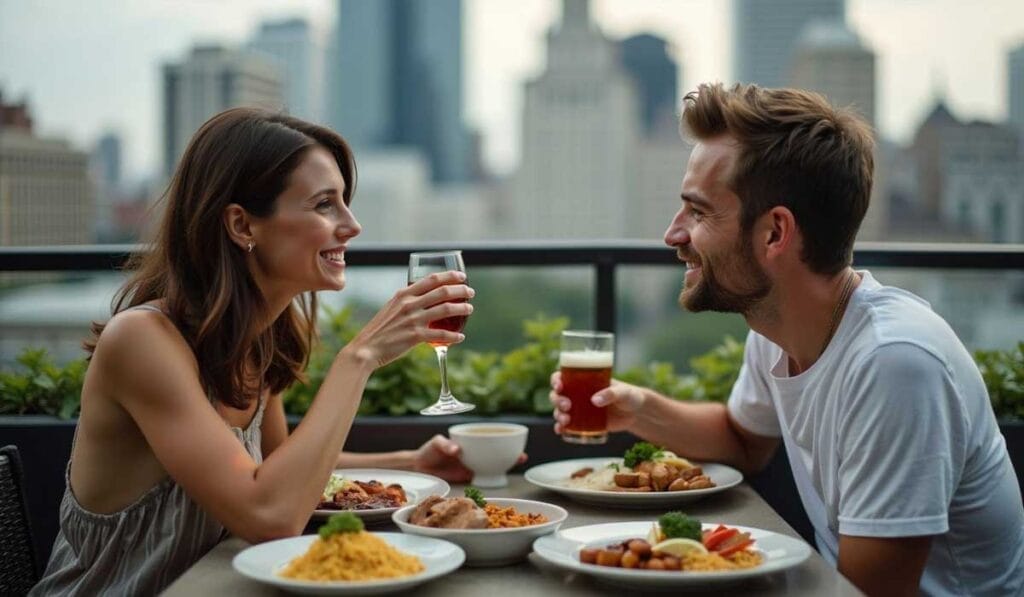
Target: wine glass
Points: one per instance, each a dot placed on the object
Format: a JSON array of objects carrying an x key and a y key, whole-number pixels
[{"x": 422, "y": 265}]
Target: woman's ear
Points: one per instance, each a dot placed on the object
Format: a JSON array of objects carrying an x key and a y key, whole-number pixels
[{"x": 238, "y": 225}]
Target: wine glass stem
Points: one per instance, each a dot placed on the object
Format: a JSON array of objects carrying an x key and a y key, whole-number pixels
[{"x": 442, "y": 362}]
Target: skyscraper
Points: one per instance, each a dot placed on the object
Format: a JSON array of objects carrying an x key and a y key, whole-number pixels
[
  {"x": 300, "y": 60},
  {"x": 1015, "y": 84},
  {"x": 398, "y": 80},
  {"x": 646, "y": 59},
  {"x": 580, "y": 127},
  {"x": 831, "y": 59},
  {"x": 765, "y": 33},
  {"x": 212, "y": 79}
]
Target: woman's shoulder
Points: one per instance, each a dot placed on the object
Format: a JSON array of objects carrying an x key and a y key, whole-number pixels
[{"x": 141, "y": 333}]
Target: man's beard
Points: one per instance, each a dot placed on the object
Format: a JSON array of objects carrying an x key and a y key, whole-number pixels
[{"x": 709, "y": 294}]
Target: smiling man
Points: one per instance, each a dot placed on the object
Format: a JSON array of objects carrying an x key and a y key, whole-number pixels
[{"x": 882, "y": 411}]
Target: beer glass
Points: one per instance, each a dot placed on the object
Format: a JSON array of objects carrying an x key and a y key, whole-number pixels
[
  {"x": 586, "y": 363},
  {"x": 422, "y": 265}
]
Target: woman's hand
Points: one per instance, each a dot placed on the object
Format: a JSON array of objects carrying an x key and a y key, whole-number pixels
[
  {"x": 404, "y": 321},
  {"x": 622, "y": 401},
  {"x": 439, "y": 456}
]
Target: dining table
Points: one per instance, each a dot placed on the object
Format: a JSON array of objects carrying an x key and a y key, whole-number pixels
[{"x": 740, "y": 506}]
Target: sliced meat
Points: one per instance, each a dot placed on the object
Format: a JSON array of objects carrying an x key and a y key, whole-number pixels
[{"x": 422, "y": 512}]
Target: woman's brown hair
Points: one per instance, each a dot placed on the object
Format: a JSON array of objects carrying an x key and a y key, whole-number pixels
[
  {"x": 797, "y": 151},
  {"x": 242, "y": 156}
]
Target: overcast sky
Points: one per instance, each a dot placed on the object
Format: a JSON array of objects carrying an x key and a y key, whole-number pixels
[{"x": 90, "y": 66}]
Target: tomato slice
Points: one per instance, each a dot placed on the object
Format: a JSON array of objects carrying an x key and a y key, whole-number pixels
[{"x": 719, "y": 536}]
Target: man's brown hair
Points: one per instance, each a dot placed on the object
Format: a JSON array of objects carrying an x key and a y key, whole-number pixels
[{"x": 795, "y": 151}]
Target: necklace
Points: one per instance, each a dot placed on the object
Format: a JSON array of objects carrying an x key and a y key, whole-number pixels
[{"x": 837, "y": 313}]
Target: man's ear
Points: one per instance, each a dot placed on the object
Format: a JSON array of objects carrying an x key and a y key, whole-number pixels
[
  {"x": 238, "y": 224},
  {"x": 779, "y": 231}
]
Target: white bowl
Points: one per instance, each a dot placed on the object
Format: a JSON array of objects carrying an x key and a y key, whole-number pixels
[
  {"x": 492, "y": 547},
  {"x": 489, "y": 449}
]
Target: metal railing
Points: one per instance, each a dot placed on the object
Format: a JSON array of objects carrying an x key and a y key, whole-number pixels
[{"x": 604, "y": 257}]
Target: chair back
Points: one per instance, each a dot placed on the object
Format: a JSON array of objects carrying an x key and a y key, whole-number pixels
[{"x": 18, "y": 570}]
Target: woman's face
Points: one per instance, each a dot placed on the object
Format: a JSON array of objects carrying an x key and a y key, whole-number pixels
[{"x": 301, "y": 246}]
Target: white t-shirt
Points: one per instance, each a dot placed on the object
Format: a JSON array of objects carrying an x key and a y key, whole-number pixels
[{"x": 894, "y": 427}]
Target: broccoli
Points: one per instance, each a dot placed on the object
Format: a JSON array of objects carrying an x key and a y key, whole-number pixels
[
  {"x": 346, "y": 522},
  {"x": 676, "y": 525},
  {"x": 476, "y": 495},
  {"x": 640, "y": 452}
]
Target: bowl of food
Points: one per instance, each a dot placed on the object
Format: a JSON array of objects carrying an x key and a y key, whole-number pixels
[{"x": 492, "y": 531}]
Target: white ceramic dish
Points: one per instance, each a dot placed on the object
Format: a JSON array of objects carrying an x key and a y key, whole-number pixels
[
  {"x": 490, "y": 449},
  {"x": 417, "y": 486},
  {"x": 553, "y": 476},
  {"x": 263, "y": 562},
  {"x": 492, "y": 547},
  {"x": 562, "y": 550}
]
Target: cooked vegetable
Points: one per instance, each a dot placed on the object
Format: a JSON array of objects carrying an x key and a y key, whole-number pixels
[
  {"x": 346, "y": 522},
  {"x": 640, "y": 452},
  {"x": 715, "y": 538},
  {"x": 476, "y": 495},
  {"x": 678, "y": 525}
]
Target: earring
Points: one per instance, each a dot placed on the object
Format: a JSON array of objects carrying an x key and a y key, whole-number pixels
[{"x": 250, "y": 246}]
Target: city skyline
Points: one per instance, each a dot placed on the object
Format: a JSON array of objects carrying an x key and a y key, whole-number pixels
[{"x": 73, "y": 96}]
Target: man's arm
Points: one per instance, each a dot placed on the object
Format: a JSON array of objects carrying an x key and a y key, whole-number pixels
[
  {"x": 884, "y": 566},
  {"x": 698, "y": 430}
]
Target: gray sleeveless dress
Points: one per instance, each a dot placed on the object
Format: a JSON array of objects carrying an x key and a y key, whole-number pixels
[{"x": 140, "y": 549}]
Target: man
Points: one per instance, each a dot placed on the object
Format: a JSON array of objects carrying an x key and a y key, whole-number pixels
[{"x": 885, "y": 418}]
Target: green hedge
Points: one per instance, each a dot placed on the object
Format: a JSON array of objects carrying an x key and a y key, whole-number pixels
[{"x": 498, "y": 383}]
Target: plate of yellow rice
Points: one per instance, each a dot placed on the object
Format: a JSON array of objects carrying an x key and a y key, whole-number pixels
[{"x": 353, "y": 563}]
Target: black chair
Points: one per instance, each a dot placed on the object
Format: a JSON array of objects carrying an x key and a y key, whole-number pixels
[{"x": 18, "y": 571}]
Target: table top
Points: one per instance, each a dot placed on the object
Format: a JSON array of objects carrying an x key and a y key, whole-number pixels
[{"x": 213, "y": 574}]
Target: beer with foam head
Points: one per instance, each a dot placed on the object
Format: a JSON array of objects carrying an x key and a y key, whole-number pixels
[{"x": 586, "y": 364}]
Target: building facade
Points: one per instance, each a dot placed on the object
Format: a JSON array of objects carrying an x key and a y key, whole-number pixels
[
  {"x": 299, "y": 56},
  {"x": 397, "y": 80},
  {"x": 46, "y": 193},
  {"x": 765, "y": 33},
  {"x": 580, "y": 128},
  {"x": 209, "y": 80}
]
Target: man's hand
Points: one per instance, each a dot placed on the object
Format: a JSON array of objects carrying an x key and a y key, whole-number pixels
[
  {"x": 884, "y": 566},
  {"x": 439, "y": 456},
  {"x": 622, "y": 400}
]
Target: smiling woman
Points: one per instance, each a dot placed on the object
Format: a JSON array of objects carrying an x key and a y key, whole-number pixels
[{"x": 183, "y": 388}]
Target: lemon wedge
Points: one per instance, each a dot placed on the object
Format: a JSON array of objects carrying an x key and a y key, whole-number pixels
[{"x": 679, "y": 547}]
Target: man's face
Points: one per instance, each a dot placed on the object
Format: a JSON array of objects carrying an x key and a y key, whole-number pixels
[{"x": 722, "y": 273}]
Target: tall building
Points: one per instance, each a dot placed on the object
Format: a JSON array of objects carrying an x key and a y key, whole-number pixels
[
  {"x": 398, "y": 80},
  {"x": 831, "y": 59},
  {"x": 299, "y": 56},
  {"x": 105, "y": 168},
  {"x": 210, "y": 80},
  {"x": 765, "y": 33},
  {"x": 1015, "y": 84},
  {"x": 646, "y": 59},
  {"x": 580, "y": 129},
  {"x": 46, "y": 195}
]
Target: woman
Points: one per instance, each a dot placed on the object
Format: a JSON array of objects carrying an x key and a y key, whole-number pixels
[{"x": 182, "y": 434}]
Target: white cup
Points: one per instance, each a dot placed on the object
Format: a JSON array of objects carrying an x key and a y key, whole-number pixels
[{"x": 489, "y": 449}]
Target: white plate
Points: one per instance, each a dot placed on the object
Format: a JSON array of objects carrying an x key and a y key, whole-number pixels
[
  {"x": 263, "y": 562},
  {"x": 562, "y": 550},
  {"x": 417, "y": 486},
  {"x": 492, "y": 547},
  {"x": 553, "y": 475}
]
